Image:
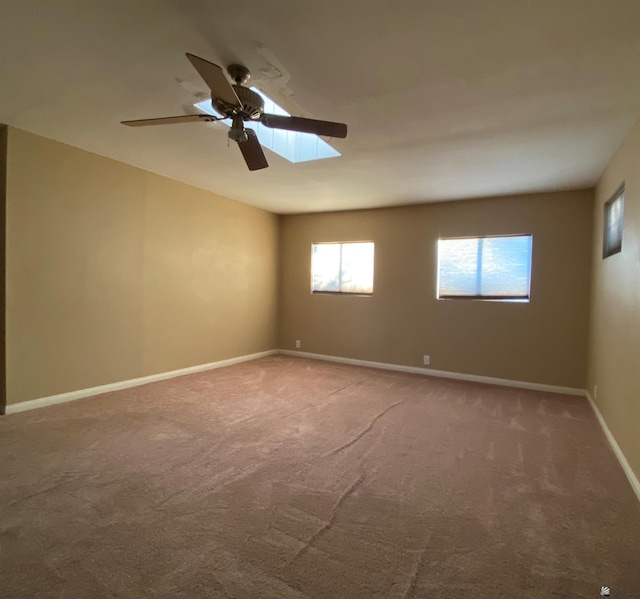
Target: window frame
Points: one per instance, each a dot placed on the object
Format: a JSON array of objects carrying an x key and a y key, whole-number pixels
[
  {"x": 349, "y": 293},
  {"x": 608, "y": 249},
  {"x": 486, "y": 298}
]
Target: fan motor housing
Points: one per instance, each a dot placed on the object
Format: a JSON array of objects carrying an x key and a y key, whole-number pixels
[{"x": 252, "y": 104}]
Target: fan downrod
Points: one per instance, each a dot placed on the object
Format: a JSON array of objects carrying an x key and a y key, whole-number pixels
[{"x": 240, "y": 74}]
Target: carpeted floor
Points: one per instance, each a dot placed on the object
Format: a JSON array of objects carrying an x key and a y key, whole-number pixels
[{"x": 290, "y": 478}]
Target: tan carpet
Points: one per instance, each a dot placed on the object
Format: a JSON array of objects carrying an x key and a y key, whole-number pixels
[{"x": 290, "y": 478}]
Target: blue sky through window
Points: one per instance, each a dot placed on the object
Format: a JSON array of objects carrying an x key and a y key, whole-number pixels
[
  {"x": 485, "y": 267},
  {"x": 292, "y": 145}
]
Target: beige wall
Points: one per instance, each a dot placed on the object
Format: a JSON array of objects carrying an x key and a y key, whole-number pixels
[
  {"x": 614, "y": 348},
  {"x": 115, "y": 273},
  {"x": 543, "y": 341},
  {"x": 3, "y": 198}
]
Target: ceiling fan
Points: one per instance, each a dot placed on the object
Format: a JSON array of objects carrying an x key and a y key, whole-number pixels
[{"x": 240, "y": 104}]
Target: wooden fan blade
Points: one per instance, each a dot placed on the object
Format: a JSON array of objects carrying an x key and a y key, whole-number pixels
[
  {"x": 215, "y": 78},
  {"x": 252, "y": 152},
  {"x": 296, "y": 123},
  {"x": 171, "y": 120}
]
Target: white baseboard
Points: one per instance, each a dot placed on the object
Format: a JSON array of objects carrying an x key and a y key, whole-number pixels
[
  {"x": 631, "y": 476},
  {"x": 64, "y": 397},
  {"x": 474, "y": 378}
]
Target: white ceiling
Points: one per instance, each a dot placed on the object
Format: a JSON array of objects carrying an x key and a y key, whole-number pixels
[{"x": 445, "y": 99}]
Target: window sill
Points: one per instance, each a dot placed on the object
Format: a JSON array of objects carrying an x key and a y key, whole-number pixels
[
  {"x": 481, "y": 298},
  {"x": 349, "y": 293}
]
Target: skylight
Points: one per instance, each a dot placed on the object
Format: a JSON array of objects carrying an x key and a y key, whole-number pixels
[{"x": 292, "y": 145}]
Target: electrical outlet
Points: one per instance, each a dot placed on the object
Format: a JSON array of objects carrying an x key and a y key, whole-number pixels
[
  {"x": 298, "y": 344},
  {"x": 595, "y": 392},
  {"x": 426, "y": 360}
]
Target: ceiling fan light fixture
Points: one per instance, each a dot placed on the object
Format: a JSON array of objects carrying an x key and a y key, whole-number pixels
[
  {"x": 238, "y": 135},
  {"x": 293, "y": 146},
  {"x": 237, "y": 131}
]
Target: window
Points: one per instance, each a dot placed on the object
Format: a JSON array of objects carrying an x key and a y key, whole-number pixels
[
  {"x": 292, "y": 145},
  {"x": 613, "y": 214},
  {"x": 485, "y": 268},
  {"x": 342, "y": 267}
]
